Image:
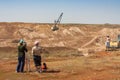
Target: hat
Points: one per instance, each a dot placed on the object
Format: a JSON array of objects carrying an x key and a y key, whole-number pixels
[
  {"x": 21, "y": 41},
  {"x": 36, "y": 42}
]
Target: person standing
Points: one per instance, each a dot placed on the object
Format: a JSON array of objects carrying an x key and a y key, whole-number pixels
[
  {"x": 36, "y": 51},
  {"x": 107, "y": 43},
  {"x": 21, "y": 56}
]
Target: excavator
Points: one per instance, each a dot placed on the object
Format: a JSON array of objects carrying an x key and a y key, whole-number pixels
[{"x": 56, "y": 23}]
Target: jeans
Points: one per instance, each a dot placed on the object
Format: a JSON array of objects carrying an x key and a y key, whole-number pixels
[{"x": 21, "y": 63}]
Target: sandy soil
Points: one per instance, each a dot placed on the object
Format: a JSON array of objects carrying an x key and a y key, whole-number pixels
[{"x": 100, "y": 66}]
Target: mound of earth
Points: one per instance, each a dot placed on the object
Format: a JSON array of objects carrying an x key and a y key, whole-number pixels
[{"x": 77, "y": 36}]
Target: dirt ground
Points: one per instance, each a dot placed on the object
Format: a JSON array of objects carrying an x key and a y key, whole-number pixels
[
  {"x": 98, "y": 66},
  {"x": 74, "y": 52}
]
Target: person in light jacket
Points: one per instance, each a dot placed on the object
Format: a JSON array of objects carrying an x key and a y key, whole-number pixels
[{"x": 36, "y": 51}]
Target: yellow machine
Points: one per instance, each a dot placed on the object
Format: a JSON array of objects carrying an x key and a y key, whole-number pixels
[{"x": 114, "y": 44}]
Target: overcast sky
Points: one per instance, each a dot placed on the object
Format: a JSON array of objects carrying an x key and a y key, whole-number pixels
[{"x": 75, "y": 11}]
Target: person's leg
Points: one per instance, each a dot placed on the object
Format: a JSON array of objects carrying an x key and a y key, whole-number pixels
[
  {"x": 40, "y": 64},
  {"x": 22, "y": 64},
  {"x": 19, "y": 64},
  {"x": 37, "y": 68},
  {"x": 107, "y": 46},
  {"x": 37, "y": 61},
  {"x": 28, "y": 65}
]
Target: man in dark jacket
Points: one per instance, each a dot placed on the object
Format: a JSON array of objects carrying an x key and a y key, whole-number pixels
[{"x": 21, "y": 56}]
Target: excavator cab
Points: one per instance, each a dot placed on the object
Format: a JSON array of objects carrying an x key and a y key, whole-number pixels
[{"x": 54, "y": 28}]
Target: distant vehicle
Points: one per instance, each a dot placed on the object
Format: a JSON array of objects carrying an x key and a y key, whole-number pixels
[
  {"x": 115, "y": 44},
  {"x": 56, "y": 22}
]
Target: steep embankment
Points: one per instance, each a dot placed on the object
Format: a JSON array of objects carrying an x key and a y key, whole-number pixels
[{"x": 69, "y": 35}]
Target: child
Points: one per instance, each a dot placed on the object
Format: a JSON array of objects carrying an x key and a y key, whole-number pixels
[{"x": 44, "y": 67}]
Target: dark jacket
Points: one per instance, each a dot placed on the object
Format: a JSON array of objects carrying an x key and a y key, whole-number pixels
[{"x": 21, "y": 50}]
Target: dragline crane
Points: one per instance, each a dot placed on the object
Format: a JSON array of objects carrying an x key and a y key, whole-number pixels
[{"x": 56, "y": 23}]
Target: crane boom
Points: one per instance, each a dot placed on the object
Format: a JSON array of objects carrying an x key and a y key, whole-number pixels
[{"x": 59, "y": 19}]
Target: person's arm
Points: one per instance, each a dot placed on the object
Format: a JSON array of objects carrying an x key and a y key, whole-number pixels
[
  {"x": 41, "y": 50},
  {"x": 25, "y": 49}
]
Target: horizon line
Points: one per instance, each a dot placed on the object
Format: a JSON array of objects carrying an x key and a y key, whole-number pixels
[{"x": 60, "y": 23}]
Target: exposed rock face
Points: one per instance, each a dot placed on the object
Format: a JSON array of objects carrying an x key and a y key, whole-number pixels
[{"x": 70, "y": 35}]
